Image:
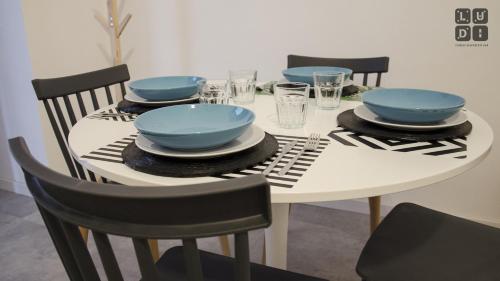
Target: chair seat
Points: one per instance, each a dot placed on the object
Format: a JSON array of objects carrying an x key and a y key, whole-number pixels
[
  {"x": 416, "y": 243},
  {"x": 218, "y": 267}
]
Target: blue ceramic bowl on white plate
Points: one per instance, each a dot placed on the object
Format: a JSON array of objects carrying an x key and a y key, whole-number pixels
[
  {"x": 412, "y": 105},
  {"x": 305, "y": 74},
  {"x": 166, "y": 88},
  {"x": 194, "y": 126}
]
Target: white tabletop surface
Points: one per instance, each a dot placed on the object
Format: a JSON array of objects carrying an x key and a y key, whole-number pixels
[{"x": 340, "y": 172}]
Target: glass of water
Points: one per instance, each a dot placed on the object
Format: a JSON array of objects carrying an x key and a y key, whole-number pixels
[
  {"x": 242, "y": 84},
  {"x": 214, "y": 91},
  {"x": 328, "y": 89},
  {"x": 291, "y": 99}
]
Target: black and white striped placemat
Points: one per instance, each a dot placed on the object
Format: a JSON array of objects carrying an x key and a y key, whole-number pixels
[
  {"x": 113, "y": 153},
  {"x": 113, "y": 114},
  {"x": 456, "y": 147}
]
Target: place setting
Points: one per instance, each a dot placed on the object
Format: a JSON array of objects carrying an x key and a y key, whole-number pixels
[
  {"x": 150, "y": 93},
  {"x": 205, "y": 138},
  {"x": 414, "y": 118}
]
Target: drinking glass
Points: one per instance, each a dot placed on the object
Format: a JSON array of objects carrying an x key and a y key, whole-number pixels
[
  {"x": 328, "y": 89},
  {"x": 214, "y": 92},
  {"x": 242, "y": 84},
  {"x": 291, "y": 99}
]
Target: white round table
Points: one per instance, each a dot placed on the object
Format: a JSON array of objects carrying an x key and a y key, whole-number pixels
[{"x": 340, "y": 172}]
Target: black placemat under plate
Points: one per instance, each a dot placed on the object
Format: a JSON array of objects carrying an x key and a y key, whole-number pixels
[
  {"x": 132, "y": 107},
  {"x": 149, "y": 163},
  {"x": 350, "y": 121}
]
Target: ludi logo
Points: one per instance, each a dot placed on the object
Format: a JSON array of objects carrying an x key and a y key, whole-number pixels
[{"x": 471, "y": 26}]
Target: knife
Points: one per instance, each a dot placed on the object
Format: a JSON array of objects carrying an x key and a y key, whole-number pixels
[{"x": 284, "y": 151}]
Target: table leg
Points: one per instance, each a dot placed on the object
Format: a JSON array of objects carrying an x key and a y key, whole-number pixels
[
  {"x": 374, "y": 212},
  {"x": 276, "y": 236}
]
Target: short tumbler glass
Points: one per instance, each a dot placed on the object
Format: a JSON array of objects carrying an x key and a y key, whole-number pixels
[
  {"x": 214, "y": 92},
  {"x": 291, "y": 99},
  {"x": 328, "y": 89},
  {"x": 242, "y": 84}
]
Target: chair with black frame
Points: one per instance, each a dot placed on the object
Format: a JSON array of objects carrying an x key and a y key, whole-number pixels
[
  {"x": 366, "y": 67},
  {"x": 185, "y": 212},
  {"x": 58, "y": 96},
  {"x": 64, "y": 101},
  {"x": 414, "y": 243}
]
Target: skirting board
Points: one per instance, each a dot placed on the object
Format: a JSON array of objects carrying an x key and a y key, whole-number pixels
[
  {"x": 358, "y": 206},
  {"x": 353, "y": 206},
  {"x": 13, "y": 186}
]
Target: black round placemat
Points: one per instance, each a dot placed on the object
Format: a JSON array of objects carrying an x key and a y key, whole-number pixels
[
  {"x": 132, "y": 107},
  {"x": 350, "y": 121},
  {"x": 175, "y": 167}
]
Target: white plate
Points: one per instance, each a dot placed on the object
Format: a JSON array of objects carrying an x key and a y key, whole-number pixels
[
  {"x": 364, "y": 113},
  {"x": 249, "y": 138},
  {"x": 136, "y": 99}
]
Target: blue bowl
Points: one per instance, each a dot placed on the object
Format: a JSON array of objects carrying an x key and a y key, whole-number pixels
[
  {"x": 194, "y": 126},
  {"x": 412, "y": 105},
  {"x": 305, "y": 74},
  {"x": 166, "y": 88}
]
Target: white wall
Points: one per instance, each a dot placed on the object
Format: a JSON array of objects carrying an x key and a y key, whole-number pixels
[
  {"x": 17, "y": 103},
  {"x": 209, "y": 37}
]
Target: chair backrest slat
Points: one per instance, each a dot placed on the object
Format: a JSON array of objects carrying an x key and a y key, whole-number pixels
[
  {"x": 192, "y": 260},
  {"x": 69, "y": 108},
  {"x": 365, "y": 79},
  {"x": 80, "y": 170},
  {"x": 91, "y": 174},
  {"x": 81, "y": 104},
  {"x": 108, "y": 257},
  {"x": 95, "y": 103},
  {"x": 363, "y": 66},
  {"x": 66, "y": 87},
  {"x": 242, "y": 255},
  {"x": 80, "y": 252},
  {"x": 147, "y": 266},
  {"x": 61, "y": 118},
  {"x": 122, "y": 87},
  {"x": 60, "y": 139},
  {"x": 62, "y": 247},
  {"x": 108, "y": 94},
  {"x": 184, "y": 212}
]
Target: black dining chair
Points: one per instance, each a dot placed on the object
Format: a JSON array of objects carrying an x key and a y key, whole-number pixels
[
  {"x": 70, "y": 98},
  {"x": 414, "y": 243},
  {"x": 365, "y": 66},
  {"x": 184, "y": 212},
  {"x": 66, "y": 100}
]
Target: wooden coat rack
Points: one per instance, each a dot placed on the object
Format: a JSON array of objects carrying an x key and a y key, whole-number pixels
[{"x": 114, "y": 27}]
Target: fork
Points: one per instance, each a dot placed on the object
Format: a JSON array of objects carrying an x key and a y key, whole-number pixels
[{"x": 310, "y": 145}]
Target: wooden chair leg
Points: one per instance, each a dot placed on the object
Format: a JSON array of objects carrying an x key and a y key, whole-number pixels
[
  {"x": 224, "y": 245},
  {"x": 155, "y": 251},
  {"x": 374, "y": 212},
  {"x": 85, "y": 233},
  {"x": 263, "y": 258}
]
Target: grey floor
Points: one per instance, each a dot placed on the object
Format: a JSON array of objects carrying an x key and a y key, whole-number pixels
[{"x": 322, "y": 242}]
